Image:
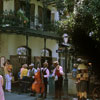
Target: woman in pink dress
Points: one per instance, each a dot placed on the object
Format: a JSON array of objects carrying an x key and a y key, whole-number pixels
[{"x": 1, "y": 89}]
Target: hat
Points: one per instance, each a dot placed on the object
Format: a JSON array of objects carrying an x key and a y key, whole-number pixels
[
  {"x": 55, "y": 62},
  {"x": 25, "y": 65},
  {"x": 82, "y": 67},
  {"x": 31, "y": 64},
  {"x": 45, "y": 63}
]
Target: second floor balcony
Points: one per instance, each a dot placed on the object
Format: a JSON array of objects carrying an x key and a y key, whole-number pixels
[{"x": 15, "y": 19}]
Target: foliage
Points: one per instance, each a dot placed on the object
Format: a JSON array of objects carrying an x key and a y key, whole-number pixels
[
  {"x": 79, "y": 22},
  {"x": 86, "y": 17},
  {"x": 66, "y": 25},
  {"x": 22, "y": 16}
]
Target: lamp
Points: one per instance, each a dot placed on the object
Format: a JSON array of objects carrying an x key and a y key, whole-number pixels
[
  {"x": 65, "y": 44},
  {"x": 65, "y": 38}
]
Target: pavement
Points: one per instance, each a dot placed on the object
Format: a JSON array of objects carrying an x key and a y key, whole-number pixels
[
  {"x": 14, "y": 95},
  {"x": 26, "y": 96}
]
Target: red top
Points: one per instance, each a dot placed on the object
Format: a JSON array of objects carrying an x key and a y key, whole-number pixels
[{"x": 57, "y": 73}]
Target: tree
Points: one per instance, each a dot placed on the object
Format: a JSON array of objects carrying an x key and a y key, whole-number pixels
[{"x": 83, "y": 26}]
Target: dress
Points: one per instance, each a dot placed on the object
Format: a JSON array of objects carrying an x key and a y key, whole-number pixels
[
  {"x": 8, "y": 77},
  {"x": 82, "y": 85},
  {"x": 1, "y": 90}
]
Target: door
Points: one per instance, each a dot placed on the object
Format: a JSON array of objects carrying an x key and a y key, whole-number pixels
[
  {"x": 16, "y": 65},
  {"x": 17, "y": 62}
]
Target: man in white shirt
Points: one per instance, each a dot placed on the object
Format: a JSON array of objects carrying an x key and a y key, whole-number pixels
[
  {"x": 31, "y": 74},
  {"x": 58, "y": 75}
]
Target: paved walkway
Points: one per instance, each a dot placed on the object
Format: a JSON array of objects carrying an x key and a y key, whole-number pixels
[{"x": 26, "y": 96}]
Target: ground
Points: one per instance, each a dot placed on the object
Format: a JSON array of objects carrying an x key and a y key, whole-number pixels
[{"x": 26, "y": 96}]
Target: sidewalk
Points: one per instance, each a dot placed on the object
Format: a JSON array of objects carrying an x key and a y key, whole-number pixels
[{"x": 26, "y": 96}]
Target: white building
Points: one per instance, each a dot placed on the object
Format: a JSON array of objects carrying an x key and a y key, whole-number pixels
[{"x": 15, "y": 37}]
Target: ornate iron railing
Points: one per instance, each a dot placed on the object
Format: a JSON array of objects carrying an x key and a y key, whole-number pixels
[{"x": 11, "y": 19}]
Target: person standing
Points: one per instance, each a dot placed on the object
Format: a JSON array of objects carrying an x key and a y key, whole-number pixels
[
  {"x": 1, "y": 89},
  {"x": 58, "y": 75},
  {"x": 82, "y": 78},
  {"x": 74, "y": 71},
  {"x": 23, "y": 77},
  {"x": 45, "y": 72},
  {"x": 31, "y": 76},
  {"x": 31, "y": 73},
  {"x": 8, "y": 75}
]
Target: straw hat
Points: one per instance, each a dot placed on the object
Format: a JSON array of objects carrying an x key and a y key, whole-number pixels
[
  {"x": 56, "y": 62},
  {"x": 25, "y": 65},
  {"x": 31, "y": 64},
  {"x": 82, "y": 67},
  {"x": 45, "y": 64}
]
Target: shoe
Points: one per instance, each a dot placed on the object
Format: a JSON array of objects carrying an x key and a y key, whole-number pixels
[
  {"x": 41, "y": 96},
  {"x": 32, "y": 94},
  {"x": 44, "y": 97},
  {"x": 9, "y": 90},
  {"x": 55, "y": 97}
]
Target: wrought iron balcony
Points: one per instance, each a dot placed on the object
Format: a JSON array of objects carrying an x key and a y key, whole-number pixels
[{"x": 11, "y": 19}]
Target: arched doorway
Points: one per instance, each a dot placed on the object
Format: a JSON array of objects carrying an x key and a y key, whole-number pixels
[{"x": 23, "y": 56}]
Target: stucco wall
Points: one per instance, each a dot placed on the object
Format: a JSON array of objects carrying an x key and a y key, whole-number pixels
[
  {"x": 10, "y": 42},
  {"x": 8, "y": 5}
]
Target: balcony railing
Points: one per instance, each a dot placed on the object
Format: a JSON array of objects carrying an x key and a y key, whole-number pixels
[{"x": 11, "y": 19}]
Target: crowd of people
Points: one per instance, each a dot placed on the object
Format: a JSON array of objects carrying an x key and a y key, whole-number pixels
[
  {"x": 38, "y": 78},
  {"x": 34, "y": 78}
]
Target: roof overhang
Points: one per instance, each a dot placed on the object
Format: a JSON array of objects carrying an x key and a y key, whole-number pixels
[{"x": 30, "y": 32}]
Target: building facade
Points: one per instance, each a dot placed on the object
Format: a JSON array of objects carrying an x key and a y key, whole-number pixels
[{"x": 24, "y": 33}]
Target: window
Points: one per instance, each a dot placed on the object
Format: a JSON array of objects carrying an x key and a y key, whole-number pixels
[
  {"x": 23, "y": 50},
  {"x": 1, "y": 6},
  {"x": 48, "y": 16},
  {"x": 48, "y": 52},
  {"x": 32, "y": 12},
  {"x": 40, "y": 14},
  {"x": 24, "y": 54}
]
